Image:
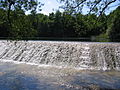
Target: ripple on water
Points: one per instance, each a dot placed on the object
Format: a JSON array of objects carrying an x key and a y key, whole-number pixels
[{"x": 23, "y": 76}]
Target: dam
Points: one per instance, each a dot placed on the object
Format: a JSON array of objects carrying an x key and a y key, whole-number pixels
[
  {"x": 82, "y": 55},
  {"x": 59, "y": 65}
]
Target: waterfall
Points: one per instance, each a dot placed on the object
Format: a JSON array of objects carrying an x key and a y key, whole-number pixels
[{"x": 83, "y": 55}]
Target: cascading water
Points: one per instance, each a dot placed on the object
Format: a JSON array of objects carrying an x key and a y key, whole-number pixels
[{"x": 84, "y": 55}]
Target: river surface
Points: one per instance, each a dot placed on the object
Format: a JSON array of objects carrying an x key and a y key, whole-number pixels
[{"x": 33, "y": 77}]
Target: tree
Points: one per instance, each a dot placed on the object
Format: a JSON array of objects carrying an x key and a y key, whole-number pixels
[
  {"x": 22, "y": 27},
  {"x": 62, "y": 24},
  {"x": 58, "y": 24},
  {"x": 79, "y": 25},
  {"x": 44, "y": 29},
  {"x": 15, "y": 9},
  {"x": 113, "y": 30},
  {"x": 24, "y": 5},
  {"x": 97, "y": 6},
  {"x": 68, "y": 25},
  {"x": 3, "y": 24}
]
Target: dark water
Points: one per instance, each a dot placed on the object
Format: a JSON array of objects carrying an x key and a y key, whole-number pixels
[{"x": 31, "y": 77}]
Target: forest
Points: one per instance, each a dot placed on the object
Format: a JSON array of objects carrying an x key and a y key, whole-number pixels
[{"x": 60, "y": 25}]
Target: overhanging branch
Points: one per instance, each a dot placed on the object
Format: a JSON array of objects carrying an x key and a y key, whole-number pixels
[{"x": 107, "y": 6}]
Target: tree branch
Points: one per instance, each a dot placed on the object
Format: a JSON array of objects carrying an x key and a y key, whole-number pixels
[
  {"x": 107, "y": 6},
  {"x": 94, "y": 6},
  {"x": 79, "y": 4}
]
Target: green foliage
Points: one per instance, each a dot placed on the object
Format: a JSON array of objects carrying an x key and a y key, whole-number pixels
[
  {"x": 89, "y": 25},
  {"x": 44, "y": 26},
  {"x": 102, "y": 38},
  {"x": 114, "y": 26},
  {"x": 59, "y": 25},
  {"x": 93, "y": 6},
  {"x": 18, "y": 25},
  {"x": 20, "y": 4},
  {"x": 22, "y": 28},
  {"x": 3, "y": 24},
  {"x": 68, "y": 25}
]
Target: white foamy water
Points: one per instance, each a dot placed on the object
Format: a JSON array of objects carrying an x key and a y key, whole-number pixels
[{"x": 82, "y": 55}]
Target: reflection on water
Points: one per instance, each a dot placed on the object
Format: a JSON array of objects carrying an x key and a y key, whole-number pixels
[{"x": 27, "y": 77}]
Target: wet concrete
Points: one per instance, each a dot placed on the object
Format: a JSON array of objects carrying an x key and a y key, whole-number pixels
[{"x": 32, "y": 77}]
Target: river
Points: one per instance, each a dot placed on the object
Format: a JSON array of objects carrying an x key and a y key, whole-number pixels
[{"x": 34, "y": 77}]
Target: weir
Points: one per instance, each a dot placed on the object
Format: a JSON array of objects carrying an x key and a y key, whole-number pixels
[{"x": 82, "y": 55}]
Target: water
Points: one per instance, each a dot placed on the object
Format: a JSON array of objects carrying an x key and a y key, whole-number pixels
[
  {"x": 82, "y": 55},
  {"x": 32, "y": 77},
  {"x": 59, "y": 65}
]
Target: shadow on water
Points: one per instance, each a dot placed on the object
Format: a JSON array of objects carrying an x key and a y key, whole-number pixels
[
  {"x": 26, "y": 77},
  {"x": 11, "y": 78},
  {"x": 15, "y": 81},
  {"x": 97, "y": 81}
]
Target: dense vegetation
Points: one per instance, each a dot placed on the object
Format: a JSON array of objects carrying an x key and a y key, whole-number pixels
[{"x": 59, "y": 25}]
